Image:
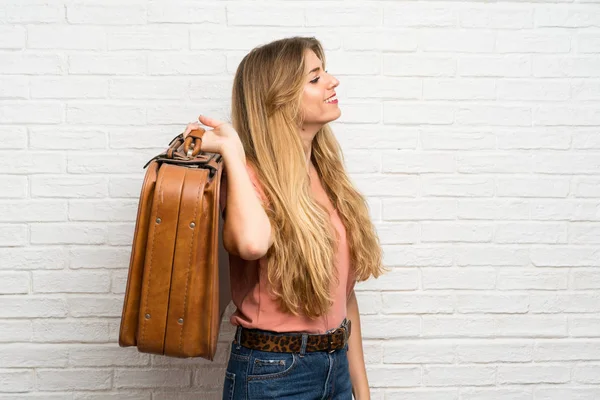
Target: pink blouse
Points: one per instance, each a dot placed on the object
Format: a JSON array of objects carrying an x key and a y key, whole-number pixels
[{"x": 250, "y": 293}]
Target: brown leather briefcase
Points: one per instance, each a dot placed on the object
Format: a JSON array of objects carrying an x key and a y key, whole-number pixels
[{"x": 175, "y": 299}]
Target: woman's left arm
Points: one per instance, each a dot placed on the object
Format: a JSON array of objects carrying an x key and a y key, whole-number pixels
[{"x": 356, "y": 358}]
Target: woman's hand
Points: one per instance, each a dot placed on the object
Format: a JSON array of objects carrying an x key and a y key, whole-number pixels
[{"x": 222, "y": 139}]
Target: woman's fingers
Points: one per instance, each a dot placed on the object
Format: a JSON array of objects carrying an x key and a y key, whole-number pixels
[
  {"x": 190, "y": 127},
  {"x": 212, "y": 122}
]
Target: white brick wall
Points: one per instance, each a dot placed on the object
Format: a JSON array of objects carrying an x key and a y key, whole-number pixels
[{"x": 472, "y": 127}]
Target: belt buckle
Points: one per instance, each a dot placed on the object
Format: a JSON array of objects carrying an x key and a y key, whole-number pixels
[{"x": 331, "y": 349}]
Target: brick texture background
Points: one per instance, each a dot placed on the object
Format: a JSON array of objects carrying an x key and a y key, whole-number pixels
[{"x": 473, "y": 127}]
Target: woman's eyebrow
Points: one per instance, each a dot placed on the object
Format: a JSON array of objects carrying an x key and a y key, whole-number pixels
[{"x": 314, "y": 70}]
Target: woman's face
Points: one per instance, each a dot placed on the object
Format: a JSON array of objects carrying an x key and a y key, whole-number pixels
[{"x": 319, "y": 101}]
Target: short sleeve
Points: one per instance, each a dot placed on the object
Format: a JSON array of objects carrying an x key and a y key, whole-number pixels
[{"x": 258, "y": 188}]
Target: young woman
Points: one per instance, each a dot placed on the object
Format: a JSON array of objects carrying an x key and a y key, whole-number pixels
[{"x": 298, "y": 232}]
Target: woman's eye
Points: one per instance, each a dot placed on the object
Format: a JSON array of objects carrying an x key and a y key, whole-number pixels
[{"x": 315, "y": 80}]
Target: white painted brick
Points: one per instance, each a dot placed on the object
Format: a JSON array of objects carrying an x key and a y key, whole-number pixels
[
  {"x": 106, "y": 14},
  {"x": 69, "y": 331},
  {"x": 66, "y": 37},
  {"x": 14, "y": 88},
  {"x": 14, "y": 381},
  {"x": 417, "y": 303},
  {"x": 107, "y": 64},
  {"x": 120, "y": 234},
  {"x": 354, "y": 63},
  {"x": 420, "y": 394},
  {"x": 585, "y": 90},
  {"x": 496, "y": 393},
  {"x": 69, "y": 186},
  {"x": 533, "y": 42},
  {"x": 410, "y": 256},
  {"x": 33, "y": 211},
  {"x": 187, "y": 12},
  {"x": 14, "y": 282},
  {"x": 493, "y": 163},
  {"x": 558, "y": 393},
  {"x": 573, "y": 16},
  {"x": 551, "y": 115},
  {"x": 416, "y": 114},
  {"x": 457, "y": 41},
  {"x": 468, "y": 375},
  {"x": 112, "y": 396},
  {"x": 587, "y": 187},
  {"x": 451, "y": 186},
  {"x": 98, "y": 257},
  {"x": 33, "y": 258},
  {"x": 127, "y": 187},
  {"x": 494, "y": 115},
  {"x": 30, "y": 162},
  {"x": 427, "y": 351},
  {"x": 565, "y": 303},
  {"x": 18, "y": 113},
  {"x": 186, "y": 64},
  {"x": 377, "y": 327},
  {"x": 557, "y": 67},
  {"x": 68, "y": 88},
  {"x": 27, "y": 356},
  {"x": 532, "y": 326},
  {"x": 30, "y": 64},
  {"x": 142, "y": 378},
  {"x": 494, "y": 66},
  {"x": 584, "y": 233},
  {"x": 33, "y": 12},
  {"x": 68, "y": 233},
  {"x": 544, "y": 138},
  {"x": 385, "y": 88},
  {"x": 566, "y": 350},
  {"x": 95, "y": 306},
  {"x": 585, "y": 279},
  {"x": 28, "y": 306},
  {"x": 148, "y": 37},
  {"x": 106, "y": 356},
  {"x": 459, "y": 89},
  {"x": 457, "y": 326},
  {"x": 118, "y": 281},
  {"x": 181, "y": 114},
  {"x": 588, "y": 43},
  {"x": 102, "y": 210},
  {"x": 209, "y": 377},
  {"x": 113, "y": 162},
  {"x": 422, "y": 209},
  {"x": 493, "y": 209},
  {"x": 490, "y": 351},
  {"x": 187, "y": 395},
  {"x": 347, "y": 16},
  {"x": 71, "y": 282},
  {"x": 154, "y": 137},
  {"x": 499, "y": 256},
  {"x": 532, "y": 187},
  {"x": 129, "y": 88},
  {"x": 419, "y": 15},
  {"x": 565, "y": 256},
  {"x": 493, "y": 17},
  {"x": 264, "y": 15},
  {"x": 350, "y": 136},
  {"x": 587, "y": 373},
  {"x": 393, "y": 376},
  {"x": 398, "y": 233},
  {"x": 13, "y": 234},
  {"x": 106, "y": 114},
  {"x": 16, "y": 331},
  {"x": 456, "y": 232},
  {"x": 532, "y": 90},
  {"x": 395, "y": 279},
  {"x": 418, "y": 65},
  {"x": 537, "y": 279},
  {"x": 12, "y": 137},
  {"x": 449, "y": 139},
  {"x": 62, "y": 138},
  {"x": 386, "y": 185},
  {"x": 409, "y": 163},
  {"x": 492, "y": 303},
  {"x": 242, "y": 38},
  {"x": 397, "y": 40},
  {"x": 462, "y": 278},
  {"x": 522, "y": 232},
  {"x": 74, "y": 379}
]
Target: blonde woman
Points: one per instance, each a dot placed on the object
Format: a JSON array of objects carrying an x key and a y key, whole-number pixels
[{"x": 298, "y": 232}]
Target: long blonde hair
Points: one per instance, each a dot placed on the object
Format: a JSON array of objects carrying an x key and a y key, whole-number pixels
[{"x": 266, "y": 113}]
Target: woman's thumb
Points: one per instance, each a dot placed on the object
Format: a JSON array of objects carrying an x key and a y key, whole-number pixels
[{"x": 213, "y": 123}]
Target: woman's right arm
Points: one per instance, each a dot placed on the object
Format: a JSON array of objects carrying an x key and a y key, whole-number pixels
[{"x": 247, "y": 229}]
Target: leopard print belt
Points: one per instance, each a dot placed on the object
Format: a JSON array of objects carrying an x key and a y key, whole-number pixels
[{"x": 292, "y": 343}]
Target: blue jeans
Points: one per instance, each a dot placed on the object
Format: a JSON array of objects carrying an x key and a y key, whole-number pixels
[{"x": 255, "y": 374}]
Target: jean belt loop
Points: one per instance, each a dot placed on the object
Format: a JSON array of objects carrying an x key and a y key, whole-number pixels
[
  {"x": 304, "y": 341},
  {"x": 238, "y": 336}
]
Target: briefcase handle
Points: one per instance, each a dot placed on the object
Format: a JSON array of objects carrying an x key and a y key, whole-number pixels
[{"x": 191, "y": 144}]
